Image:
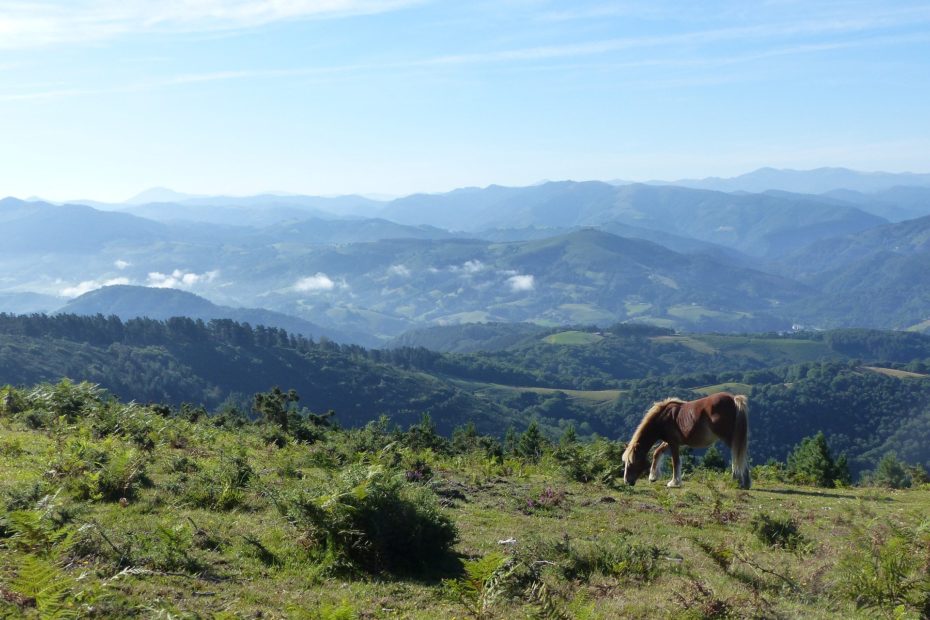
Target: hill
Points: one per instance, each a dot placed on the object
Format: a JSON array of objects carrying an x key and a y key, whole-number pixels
[
  {"x": 183, "y": 360},
  {"x": 584, "y": 277},
  {"x": 32, "y": 228},
  {"x": 130, "y": 302},
  {"x": 876, "y": 277},
  {"x": 600, "y": 385},
  {"x": 114, "y": 509}
]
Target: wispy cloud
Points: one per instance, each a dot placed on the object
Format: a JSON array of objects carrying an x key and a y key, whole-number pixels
[
  {"x": 770, "y": 39},
  {"x": 34, "y": 24},
  {"x": 180, "y": 279},
  {"x": 90, "y": 285}
]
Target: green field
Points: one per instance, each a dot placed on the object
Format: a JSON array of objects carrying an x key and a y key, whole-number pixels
[
  {"x": 573, "y": 338},
  {"x": 110, "y": 510},
  {"x": 899, "y": 374},
  {"x": 733, "y": 388}
]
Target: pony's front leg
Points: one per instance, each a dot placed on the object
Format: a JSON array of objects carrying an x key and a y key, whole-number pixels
[
  {"x": 676, "y": 467},
  {"x": 657, "y": 457}
]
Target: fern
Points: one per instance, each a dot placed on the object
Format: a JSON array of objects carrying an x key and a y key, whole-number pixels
[
  {"x": 41, "y": 580},
  {"x": 34, "y": 532},
  {"x": 482, "y": 585}
]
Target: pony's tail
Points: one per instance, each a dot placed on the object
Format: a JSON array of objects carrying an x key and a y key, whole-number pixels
[{"x": 740, "y": 445}]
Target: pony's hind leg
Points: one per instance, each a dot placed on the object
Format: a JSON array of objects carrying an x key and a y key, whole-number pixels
[
  {"x": 676, "y": 468},
  {"x": 657, "y": 457}
]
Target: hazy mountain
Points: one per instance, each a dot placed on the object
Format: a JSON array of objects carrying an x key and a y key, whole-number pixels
[
  {"x": 584, "y": 277},
  {"x": 39, "y": 227},
  {"x": 878, "y": 277},
  {"x": 758, "y": 224},
  {"x": 158, "y": 194},
  {"x": 128, "y": 302},
  {"x": 818, "y": 181},
  {"x": 895, "y": 204}
]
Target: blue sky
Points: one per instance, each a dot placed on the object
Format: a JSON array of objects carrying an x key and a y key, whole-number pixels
[{"x": 104, "y": 98}]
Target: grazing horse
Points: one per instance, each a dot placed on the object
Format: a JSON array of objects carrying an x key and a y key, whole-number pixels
[{"x": 698, "y": 424}]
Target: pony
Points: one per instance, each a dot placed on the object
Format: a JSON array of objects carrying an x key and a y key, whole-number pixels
[{"x": 698, "y": 424}]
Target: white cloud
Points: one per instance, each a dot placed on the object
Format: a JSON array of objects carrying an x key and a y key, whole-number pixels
[
  {"x": 318, "y": 282},
  {"x": 90, "y": 285},
  {"x": 399, "y": 270},
  {"x": 469, "y": 266},
  {"x": 122, "y": 264},
  {"x": 521, "y": 283},
  {"x": 180, "y": 279},
  {"x": 32, "y": 24}
]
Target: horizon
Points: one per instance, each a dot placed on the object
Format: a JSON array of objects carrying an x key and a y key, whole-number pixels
[
  {"x": 404, "y": 96},
  {"x": 384, "y": 197}
]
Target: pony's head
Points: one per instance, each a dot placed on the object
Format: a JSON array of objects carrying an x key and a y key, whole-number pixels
[{"x": 635, "y": 461}]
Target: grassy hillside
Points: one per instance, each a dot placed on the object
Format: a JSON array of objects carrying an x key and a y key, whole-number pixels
[
  {"x": 111, "y": 510},
  {"x": 599, "y": 388}
]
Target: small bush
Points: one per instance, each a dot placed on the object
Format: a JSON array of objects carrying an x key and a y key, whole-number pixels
[
  {"x": 219, "y": 484},
  {"x": 780, "y": 532},
  {"x": 890, "y": 473},
  {"x": 597, "y": 461},
  {"x": 887, "y": 570},
  {"x": 374, "y": 521},
  {"x": 548, "y": 500}
]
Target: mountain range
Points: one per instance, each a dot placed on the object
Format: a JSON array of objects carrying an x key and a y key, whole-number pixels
[{"x": 365, "y": 271}]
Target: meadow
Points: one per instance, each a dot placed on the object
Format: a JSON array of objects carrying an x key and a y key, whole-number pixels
[{"x": 111, "y": 509}]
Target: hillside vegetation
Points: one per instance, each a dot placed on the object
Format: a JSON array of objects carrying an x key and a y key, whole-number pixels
[
  {"x": 798, "y": 384},
  {"x": 118, "y": 510}
]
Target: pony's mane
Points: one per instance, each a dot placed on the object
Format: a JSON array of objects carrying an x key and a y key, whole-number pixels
[{"x": 651, "y": 415}]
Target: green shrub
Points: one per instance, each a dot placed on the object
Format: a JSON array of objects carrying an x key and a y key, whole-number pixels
[
  {"x": 64, "y": 399},
  {"x": 713, "y": 460},
  {"x": 886, "y": 569},
  {"x": 890, "y": 473},
  {"x": 219, "y": 484},
  {"x": 481, "y": 586},
  {"x": 811, "y": 463},
  {"x": 777, "y": 531},
  {"x": 598, "y": 461},
  {"x": 373, "y": 520}
]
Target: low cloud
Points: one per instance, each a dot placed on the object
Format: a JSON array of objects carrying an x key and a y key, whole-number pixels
[
  {"x": 90, "y": 285},
  {"x": 180, "y": 279},
  {"x": 521, "y": 283},
  {"x": 399, "y": 270},
  {"x": 121, "y": 264},
  {"x": 469, "y": 267},
  {"x": 315, "y": 283}
]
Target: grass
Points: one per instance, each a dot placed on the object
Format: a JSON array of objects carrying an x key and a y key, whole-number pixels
[
  {"x": 695, "y": 344},
  {"x": 595, "y": 396},
  {"x": 573, "y": 338},
  {"x": 531, "y": 541},
  {"x": 898, "y": 374},
  {"x": 732, "y": 387}
]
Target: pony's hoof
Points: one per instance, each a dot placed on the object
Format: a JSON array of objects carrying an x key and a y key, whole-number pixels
[
  {"x": 673, "y": 484},
  {"x": 653, "y": 478}
]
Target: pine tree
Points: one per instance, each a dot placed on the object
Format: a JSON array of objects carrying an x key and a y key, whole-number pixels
[
  {"x": 811, "y": 463},
  {"x": 531, "y": 442},
  {"x": 713, "y": 459}
]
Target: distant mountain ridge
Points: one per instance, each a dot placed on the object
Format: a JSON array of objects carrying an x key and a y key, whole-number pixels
[{"x": 816, "y": 181}]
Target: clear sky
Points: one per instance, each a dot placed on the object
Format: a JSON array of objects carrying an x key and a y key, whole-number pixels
[{"x": 104, "y": 98}]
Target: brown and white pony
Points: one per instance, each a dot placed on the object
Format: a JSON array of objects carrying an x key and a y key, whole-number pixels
[{"x": 698, "y": 424}]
